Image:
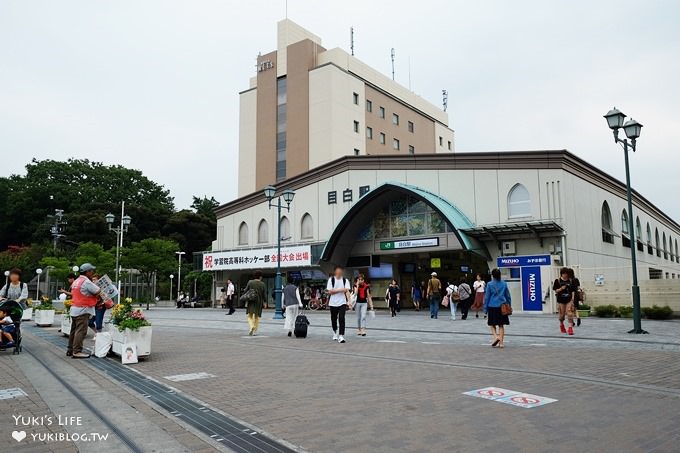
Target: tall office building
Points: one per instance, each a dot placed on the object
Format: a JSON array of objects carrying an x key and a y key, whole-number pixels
[{"x": 308, "y": 106}]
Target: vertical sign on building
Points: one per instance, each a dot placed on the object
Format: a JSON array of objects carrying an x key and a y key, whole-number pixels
[{"x": 532, "y": 293}]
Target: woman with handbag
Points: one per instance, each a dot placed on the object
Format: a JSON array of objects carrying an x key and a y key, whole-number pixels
[
  {"x": 497, "y": 307},
  {"x": 96, "y": 323}
]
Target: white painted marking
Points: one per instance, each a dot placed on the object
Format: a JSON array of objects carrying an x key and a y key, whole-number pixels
[
  {"x": 189, "y": 376},
  {"x": 390, "y": 341},
  {"x": 429, "y": 342},
  {"x": 14, "y": 392},
  {"x": 254, "y": 336},
  {"x": 514, "y": 398},
  {"x": 538, "y": 344}
]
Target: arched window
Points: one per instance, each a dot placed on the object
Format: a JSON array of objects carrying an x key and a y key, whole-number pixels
[
  {"x": 263, "y": 232},
  {"x": 519, "y": 202},
  {"x": 657, "y": 242},
  {"x": 670, "y": 248},
  {"x": 638, "y": 234},
  {"x": 665, "y": 247},
  {"x": 650, "y": 248},
  {"x": 285, "y": 229},
  {"x": 243, "y": 234},
  {"x": 607, "y": 231},
  {"x": 625, "y": 230},
  {"x": 677, "y": 256},
  {"x": 307, "y": 227}
]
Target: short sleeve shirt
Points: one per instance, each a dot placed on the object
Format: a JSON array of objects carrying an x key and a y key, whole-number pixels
[{"x": 338, "y": 299}]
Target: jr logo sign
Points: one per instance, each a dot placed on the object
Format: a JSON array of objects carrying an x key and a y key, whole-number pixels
[{"x": 532, "y": 293}]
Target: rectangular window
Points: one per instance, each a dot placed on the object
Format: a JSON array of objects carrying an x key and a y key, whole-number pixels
[
  {"x": 411, "y": 149},
  {"x": 382, "y": 138},
  {"x": 369, "y": 133},
  {"x": 381, "y": 112},
  {"x": 356, "y": 127},
  {"x": 347, "y": 195},
  {"x": 369, "y": 106},
  {"x": 449, "y": 145},
  {"x": 363, "y": 190},
  {"x": 355, "y": 98},
  {"x": 356, "y": 152},
  {"x": 395, "y": 119},
  {"x": 411, "y": 126},
  {"x": 395, "y": 144},
  {"x": 441, "y": 141},
  {"x": 332, "y": 197},
  {"x": 281, "y": 127}
]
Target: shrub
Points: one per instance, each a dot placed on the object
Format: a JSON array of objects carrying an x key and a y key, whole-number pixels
[
  {"x": 626, "y": 311},
  {"x": 584, "y": 307},
  {"x": 656, "y": 312},
  {"x": 606, "y": 311},
  {"x": 44, "y": 306}
]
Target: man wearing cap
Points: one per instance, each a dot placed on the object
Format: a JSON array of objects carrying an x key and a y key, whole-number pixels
[
  {"x": 84, "y": 294},
  {"x": 434, "y": 294}
]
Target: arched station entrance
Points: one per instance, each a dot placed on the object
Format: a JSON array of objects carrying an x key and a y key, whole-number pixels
[{"x": 405, "y": 232}]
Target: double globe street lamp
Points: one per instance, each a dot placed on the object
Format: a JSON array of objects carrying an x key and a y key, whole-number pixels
[
  {"x": 287, "y": 198},
  {"x": 125, "y": 221},
  {"x": 617, "y": 120}
]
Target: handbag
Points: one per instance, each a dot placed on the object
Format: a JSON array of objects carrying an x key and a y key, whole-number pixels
[
  {"x": 506, "y": 309},
  {"x": 108, "y": 303},
  {"x": 445, "y": 301},
  {"x": 248, "y": 296}
]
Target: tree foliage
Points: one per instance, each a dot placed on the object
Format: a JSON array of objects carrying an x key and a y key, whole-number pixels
[
  {"x": 150, "y": 256},
  {"x": 205, "y": 206}
]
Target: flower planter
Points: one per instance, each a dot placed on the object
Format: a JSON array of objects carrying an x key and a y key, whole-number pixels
[
  {"x": 44, "y": 318},
  {"x": 141, "y": 337},
  {"x": 28, "y": 314},
  {"x": 584, "y": 313},
  {"x": 66, "y": 325}
]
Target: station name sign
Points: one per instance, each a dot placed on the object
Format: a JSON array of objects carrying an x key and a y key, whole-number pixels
[
  {"x": 523, "y": 261},
  {"x": 299, "y": 256},
  {"x": 409, "y": 244}
]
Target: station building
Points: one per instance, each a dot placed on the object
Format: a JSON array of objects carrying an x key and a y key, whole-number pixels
[{"x": 380, "y": 190}]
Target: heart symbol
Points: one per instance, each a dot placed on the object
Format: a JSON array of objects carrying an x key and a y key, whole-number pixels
[{"x": 19, "y": 435}]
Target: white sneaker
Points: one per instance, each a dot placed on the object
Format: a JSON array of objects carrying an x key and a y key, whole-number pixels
[
  {"x": 335, "y": 337},
  {"x": 341, "y": 339}
]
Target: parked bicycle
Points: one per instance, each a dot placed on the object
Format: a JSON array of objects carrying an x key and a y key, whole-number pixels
[{"x": 318, "y": 304}]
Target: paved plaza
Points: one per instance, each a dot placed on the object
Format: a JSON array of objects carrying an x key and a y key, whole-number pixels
[{"x": 401, "y": 388}]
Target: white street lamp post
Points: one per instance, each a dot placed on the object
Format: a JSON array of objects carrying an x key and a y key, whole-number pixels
[
  {"x": 37, "y": 288},
  {"x": 171, "y": 277},
  {"x": 179, "y": 271},
  {"x": 6, "y": 277}
]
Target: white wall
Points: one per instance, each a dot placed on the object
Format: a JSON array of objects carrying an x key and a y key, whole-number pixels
[{"x": 247, "y": 145}]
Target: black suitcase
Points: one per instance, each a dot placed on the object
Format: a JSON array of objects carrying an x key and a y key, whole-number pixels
[{"x": 301, "y": 324}]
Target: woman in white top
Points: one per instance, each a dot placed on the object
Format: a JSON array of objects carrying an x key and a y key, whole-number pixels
[
  {"x": 452, "y": 293},
  {"x": 478, "y": 286}
]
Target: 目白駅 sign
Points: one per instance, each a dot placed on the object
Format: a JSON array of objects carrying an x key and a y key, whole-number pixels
[
  {"x": 409, "y": 244},
  {"x": 299, "y": 256}
]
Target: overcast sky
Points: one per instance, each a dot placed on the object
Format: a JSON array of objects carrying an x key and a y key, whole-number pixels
[{"x": 154, "y": 85}]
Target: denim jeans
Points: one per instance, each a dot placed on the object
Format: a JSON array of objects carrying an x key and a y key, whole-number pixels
[
  {"x": 434, "y": 305},
  {"x": 97, "y": 321},
  {"x": 453, "y": 306},
  {"x": 361, "y": 309}
]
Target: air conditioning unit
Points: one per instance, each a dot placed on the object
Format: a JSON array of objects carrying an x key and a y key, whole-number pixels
[{"x": 508, "y": 248}]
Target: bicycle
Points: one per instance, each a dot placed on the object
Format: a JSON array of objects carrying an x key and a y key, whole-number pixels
[{"x": 318, "y": 304}]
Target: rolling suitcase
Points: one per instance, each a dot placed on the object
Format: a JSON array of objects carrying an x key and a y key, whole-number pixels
[{"x": 301, "y": 323}]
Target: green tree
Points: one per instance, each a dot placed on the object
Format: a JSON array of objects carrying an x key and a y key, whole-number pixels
[
  {"x": 150, "y": 256},
  {"x": 60, "y": 267},
  {"x": 103, "y": 260},
  {"x": 193, "y": 232},
  {"x": 203, "y": 282},
  {"x": 205, "y": 206},
  {"x": 25, "y": 258}
]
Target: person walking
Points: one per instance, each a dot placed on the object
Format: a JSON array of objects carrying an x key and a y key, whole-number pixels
[
  {"x": 464, "y": 298},
  {"x": 254, "y": 309},
  {"x": 85, "y": 295},
  {"x": 564, "y": 291},
  {"x": 478, "y": 286},
  {"x": 96, "y": 323},
  {"x": 230, "y": 297},
  {"x": 392, "y": 294},
  {"x": 416, "y": 295},
  {"x": 293, "y": 303},
  {"x": 364, "y": 301},
  {"x": 306, "y": 297},
  {"x": 452, "y": 294},
  {"x": 434, "y": 294},
  {"x": 15, "y": 289},
  {"x": 578, "y": 295},
  {"x": 497, "y": 294},
  {"x": 338, "y": 288}
]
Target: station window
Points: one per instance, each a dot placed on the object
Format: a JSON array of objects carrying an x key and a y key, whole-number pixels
[
  {"x": 607, "y": 231},
  {"x": 381, "y": 112},
  {"x": 369, "y": 106},
  {"x": 243, "y": 234},
  {"x": 450, "y": 145},
  {"x": 441, "y": 141},
  {"x": 519, "y": 202},
  {"x": 355, "y": 98},
  {"x": 263, "y": 232},
  {"x": 369, "y": 133},
  {"x": 382, "y": 138},
  {"x": 395, "y": 144},
  {"x": 657, "y": 242},
  {"x": 650, "y": 247},
  {"x": 356, "y": 151},
  {"x": 411, "y": 149},
  {"x": 665, "y": 247},
  {"x": 356, "y": 127},
  {"x": 411, "y": 126},
  {"x": 638, "y": 235},
  {"x": 395, "y": 119},
  {"x": 625, "y": 230},
  {"x": 307, "y": 227},
  {"x": 285, "y": 228}
]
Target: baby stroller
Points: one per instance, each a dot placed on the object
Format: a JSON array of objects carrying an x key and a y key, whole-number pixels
[{"x": 14, "y": 310}]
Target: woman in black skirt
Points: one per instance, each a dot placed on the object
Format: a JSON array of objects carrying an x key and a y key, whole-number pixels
[{"x": 496, "y": 294}]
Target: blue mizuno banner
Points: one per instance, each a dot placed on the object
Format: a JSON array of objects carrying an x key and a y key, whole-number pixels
[
  {"x": 532, "y": 295},
  {"x": 521, "y": 261}
]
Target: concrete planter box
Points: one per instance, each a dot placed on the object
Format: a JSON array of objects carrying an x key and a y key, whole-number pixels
[
  {"x": 44, "y": 318},
  {"x": 141, "y": 337},
  {"x": 28, "y": 314},
  {"x": 66, "y": 325},
  {"x": 584, "y": 313}
]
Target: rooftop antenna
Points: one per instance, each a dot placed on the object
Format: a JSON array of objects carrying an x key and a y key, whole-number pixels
[
  {"x": 392, "y": 55},
  {"x": 351, "y": 39},
  {"x": 445, "y": 99}
]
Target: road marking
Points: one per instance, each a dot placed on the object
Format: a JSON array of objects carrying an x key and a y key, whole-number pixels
[
  {"x": 189, "y": 376},
  {"x": 14, "y": 392},
  {"x": 538, "y": 344},
  {"x": 429, "y": 342},
  {"x": 514, "y": 398},
  {"x": 390, "y": 341},
  {"x": 254, "y": 336}
]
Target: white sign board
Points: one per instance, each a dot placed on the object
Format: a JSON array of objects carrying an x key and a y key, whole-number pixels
[
  {"x": 299, "y": 256},
  {"x": 109, "y": 289}
]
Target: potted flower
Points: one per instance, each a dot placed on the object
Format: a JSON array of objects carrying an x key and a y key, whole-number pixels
[
  {"x": 66, "y": 318},
  {"x": 28, "y": 311},
  {"x": 584, "y": 311},
  {"x": 44, "y": 314},
  {"x": 128, "y": 325}
]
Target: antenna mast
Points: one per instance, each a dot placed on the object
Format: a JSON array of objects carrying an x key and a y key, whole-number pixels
[
  {"x": 445, "y": 99},
  {"x": 392, "y": 55},
  {"x": 351, "y": 39}
]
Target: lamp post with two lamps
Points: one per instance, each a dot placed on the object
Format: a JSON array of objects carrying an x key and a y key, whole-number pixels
[
  {"x": 287, "y": 196},
  {"x": 617, "y": 120},
  {"x": 179, "y": 271},
  {"x": 125, "y": 221}
]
